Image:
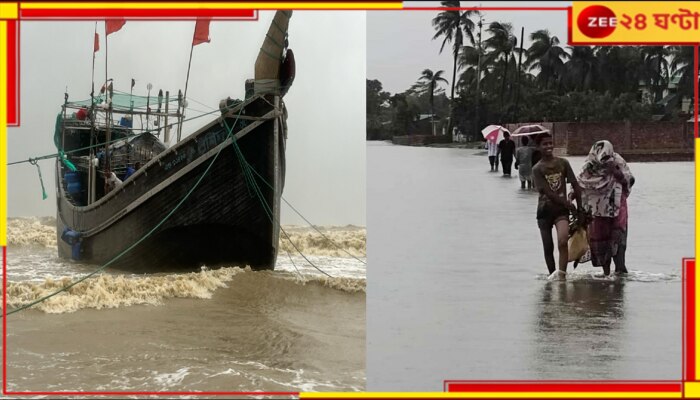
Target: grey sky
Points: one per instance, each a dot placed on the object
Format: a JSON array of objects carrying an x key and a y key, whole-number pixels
[
  {"x": 400, "y": 45},
  {"x": 325, "y": 150}
]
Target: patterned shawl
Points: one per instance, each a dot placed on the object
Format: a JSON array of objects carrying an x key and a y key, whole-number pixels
[{"x": 601, "y": 191}]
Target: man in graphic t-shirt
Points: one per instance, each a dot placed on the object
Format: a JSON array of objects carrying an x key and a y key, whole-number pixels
[{"x": 551, "y": 175}]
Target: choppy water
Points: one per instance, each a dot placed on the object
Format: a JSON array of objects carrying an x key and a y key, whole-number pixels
[
  {"x": 457, "y": 288},
  {"x": 228, "y": 329}
]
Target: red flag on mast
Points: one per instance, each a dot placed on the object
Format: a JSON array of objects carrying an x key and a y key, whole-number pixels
[
  {"x": 113, "y": 25},
  {"x": 97, "y": 43},
  {"x": 201, "y": 31}
]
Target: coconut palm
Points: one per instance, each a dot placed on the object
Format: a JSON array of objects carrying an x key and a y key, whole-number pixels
[
  {"x": 582, "y": 68},
  {"x": 453, "y": 25},
  {"x": 682, "y": 67},
  {"x": 657, "y": 68},
  {"x": 545, "y": 55},
  {"x": 620, "y": 68},
  {"x": 502, "y": 44},
  {"x": 429, "y": 82}
]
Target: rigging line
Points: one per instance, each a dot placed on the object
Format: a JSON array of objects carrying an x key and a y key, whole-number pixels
[
  {"x": 54, "y": 155},
  {"x": 203, "y": 104},
  {"x": 128, "y": 249},
  {"x": 310, "y": 224},
  {"x": 295, "y": 266},
  {"x": 266, "y": 207}
]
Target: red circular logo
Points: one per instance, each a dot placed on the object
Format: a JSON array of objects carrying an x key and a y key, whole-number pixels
[{"x": 597, "y": 21}]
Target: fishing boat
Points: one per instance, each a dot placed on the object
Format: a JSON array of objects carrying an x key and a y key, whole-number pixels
[{"x": 212, "y": 198}]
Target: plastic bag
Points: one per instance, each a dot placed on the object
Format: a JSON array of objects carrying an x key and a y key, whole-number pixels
[{"x": 578, "y": 245}]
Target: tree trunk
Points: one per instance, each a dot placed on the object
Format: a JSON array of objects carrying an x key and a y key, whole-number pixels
[
  {"x": 503, "y": 84},
  {"x": 432, "y": 113},
  {"x": 452, "y": 95}
]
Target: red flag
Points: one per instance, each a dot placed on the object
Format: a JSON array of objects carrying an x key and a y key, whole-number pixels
[
  {"x": 201, "y": 31},
  {"x": 113, "y": 25},
  {"x": 97, "y": 43}
]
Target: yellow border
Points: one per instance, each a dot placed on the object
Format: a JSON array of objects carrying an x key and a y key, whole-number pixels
[
  {"x": 493, "y": 395},
  {"x": 241, "y": 5},
  {"x": 8, "y": 10},
  {"x": 692, "y": 389},
  {"x": 3, "y": 132},
  {"x": 697, "y": 276}
]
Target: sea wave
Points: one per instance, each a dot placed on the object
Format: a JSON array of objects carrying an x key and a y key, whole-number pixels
[
  {"x": 114, "y": 291},
  {"x": 336, "y": 241},
  {"x": 31, "y": 231}
]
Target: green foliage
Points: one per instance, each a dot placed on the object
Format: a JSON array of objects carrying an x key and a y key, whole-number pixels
[{"x": 576, "y": 83}]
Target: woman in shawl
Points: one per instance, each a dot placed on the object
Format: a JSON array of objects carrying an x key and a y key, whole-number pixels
[{"x": 606, "y": 181}]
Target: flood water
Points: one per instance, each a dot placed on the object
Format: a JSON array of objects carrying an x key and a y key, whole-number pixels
[
  {"x": 229, "y": 329},
  {"x": 457, "y": 283}
]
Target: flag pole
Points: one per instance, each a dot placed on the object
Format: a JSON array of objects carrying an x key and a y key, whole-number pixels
[
  {"x": 92, "y": 93},
  {"x": 187, "y": 81},
  {"x": 91, "y": 167},
  {"x": 108, "y": 103}
]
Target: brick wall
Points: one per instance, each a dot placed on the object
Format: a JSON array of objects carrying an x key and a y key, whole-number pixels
[
  {"x": 421, "y": 140},
  {"x": 630, "y": 137}
]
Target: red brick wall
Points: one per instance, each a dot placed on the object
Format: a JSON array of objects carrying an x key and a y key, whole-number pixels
[{"x": 630, "y": 136}]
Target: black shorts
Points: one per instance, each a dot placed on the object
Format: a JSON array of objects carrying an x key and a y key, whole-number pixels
[{"x": 549, "y": 215}]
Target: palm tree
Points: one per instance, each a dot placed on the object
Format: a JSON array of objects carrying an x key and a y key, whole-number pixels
[
  {"x": 428, "y": 83},
  {"x": 620, "y": 67},
  {"x": 682, "y": 67},
  {"x": 546, "y": 55},
  {"x": 657, "y": 68},
  {"x": 582, "y": 68},
  {"x": 453, "y": 25},
  {"x": 502, "y": 44}
]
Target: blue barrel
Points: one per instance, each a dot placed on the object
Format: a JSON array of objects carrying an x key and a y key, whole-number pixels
[{"x": 73, "y": 184}]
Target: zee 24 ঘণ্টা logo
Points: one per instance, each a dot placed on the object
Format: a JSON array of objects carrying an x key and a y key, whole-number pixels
[{"x": 598, "y": 21}]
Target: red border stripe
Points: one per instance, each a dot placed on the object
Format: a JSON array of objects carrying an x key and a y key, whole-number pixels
[
  {"x": 566, "y": 387},
  {"x": 46, "y": 13},
  {"x": 12, "y": 95},
  {"x": 690, "y": 320}
]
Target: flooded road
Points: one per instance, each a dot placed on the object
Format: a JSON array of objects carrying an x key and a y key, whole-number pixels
[{"x": 457, "y": 288}]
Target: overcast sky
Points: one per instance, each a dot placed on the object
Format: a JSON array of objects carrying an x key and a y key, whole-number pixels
[
  {"x": 400, "y": 45},
  {"x": 326, "y": 146}
]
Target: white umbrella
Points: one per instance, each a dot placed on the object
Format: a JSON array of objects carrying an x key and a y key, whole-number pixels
[
  {"x": 527, "y": 130},
  {"x": 494, "y": 133}
]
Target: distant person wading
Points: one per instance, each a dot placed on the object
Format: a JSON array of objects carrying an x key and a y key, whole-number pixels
[{"x": 506, "y": 149}]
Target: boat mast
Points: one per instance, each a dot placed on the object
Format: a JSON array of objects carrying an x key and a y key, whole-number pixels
[
  {"x": 91, "y": 167},
  {"x": 108, "y": 102},
  {"x": 187, "y": 81}
]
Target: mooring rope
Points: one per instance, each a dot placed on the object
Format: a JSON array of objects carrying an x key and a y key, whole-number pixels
[
  {"x": 308, "y": 222},
  {"x": 251, "y": 180}
]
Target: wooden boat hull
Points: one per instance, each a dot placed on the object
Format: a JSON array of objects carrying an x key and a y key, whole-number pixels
[{"x": 190, "y": 206}]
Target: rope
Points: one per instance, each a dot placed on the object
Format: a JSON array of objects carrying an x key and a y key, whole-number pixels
[
  {"x": 279, "y": 28},
  {"x": 41, "y": 180},
  {"x": 274, "y": 41},
  {"x": 310, "y": 224},
  {"x": 266, "y": 207},
  {"x": 267, "y": 53},
  {"x": 295, "y": 266},
  {"x": 128, "y": 249}
]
